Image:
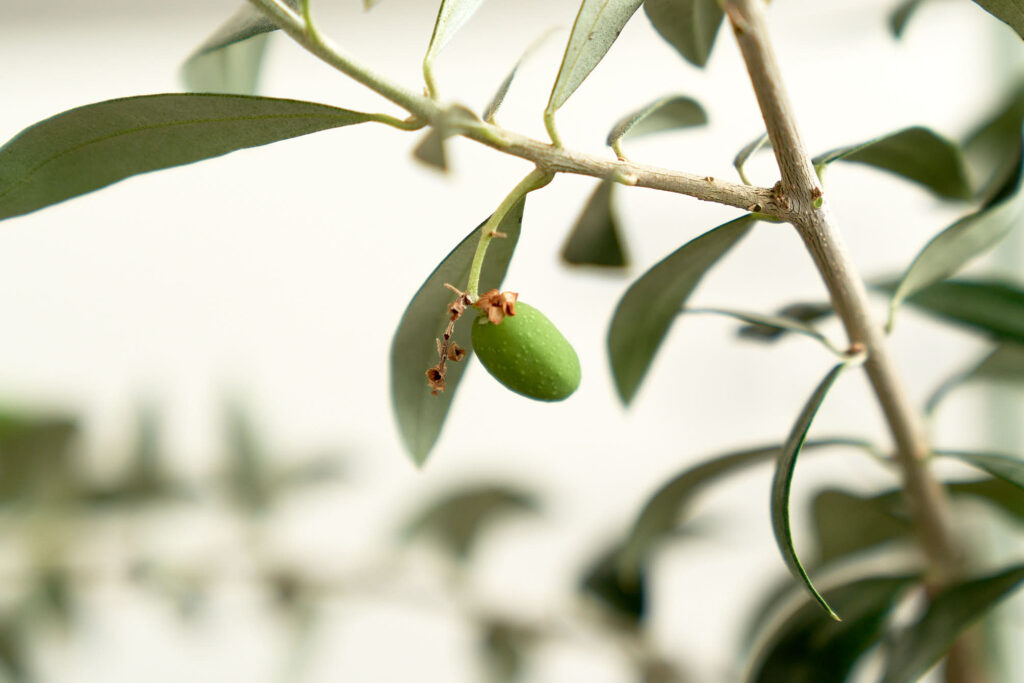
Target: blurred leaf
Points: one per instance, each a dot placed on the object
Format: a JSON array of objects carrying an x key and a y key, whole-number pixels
[
  {"x": 809, "y": 647},
  {"x": 994, "y": 308},
  {"x": 419, "y": 414},
  {"x": 801, "y": 313},
  {"x": 664, "y": 510},
  {"x": 993, "y": 149},
  {"x": 368, "y": 4},
  {"x": 55, "y": 594},
  {"x": 1010, "y": 12},
  {"x": 776, "y": 324},
  {"x": 917, "y": 154},
  {"x": 451, "y": 16},
  {"x": 900, "y": 16},
  {"x": 996, "y": 492},
  {"x": 1003, "y": 364},
  {"x": 838, "y": 535},
  {"x": 597, "y": 25},
  {"x": 499, "y": 96},
  {"x": 87, "y": 148},
  {"x": 503, "y": 644},
  {"x": 432, "y": 148},
  {"x": 314, "y": 471},
  {"x": 457, "y": 520},
  {"x": 35, "y": 457},
  {"x": 626, "y": 597},
  {"x": 949, "y": 613},
  {"x": 749, "y": 150},
  {"x": 1005, "y": 467},
  {"x": 783, "y": 480},
  {"x": 690, "y": 26},
  {"x": 594, "y": 240},
  {"x": 247, "y": 477},
  {"x": 667, "y": 113},
  {"x": 647, "y": 310},
  {"x": 15, "y": 653},
  {"x": 955, "y": 246}
]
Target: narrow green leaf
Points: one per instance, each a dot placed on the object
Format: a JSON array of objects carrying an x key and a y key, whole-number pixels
[
  {"x": 451, "y": 16},
  {"x": 594, "y": 240},
  {"x": 690, "y": 26},
  {"x": 457, "y": 520},
  {"x": 900, "y": 16},
  {"x": 782, "y": 483},
  {"x": 667, "y": 113},
  {"x": 1010, "y": 12},
  {"x": 87, "y": 148},
  {"x": 499, "y": 96},
  {"x": 749, "y": 150},
  {"x": 994, "y": 308},
  {"x": 993, "y": 149},
  {"x": 836, "y": 537},
  {"x": 802, "y": 313},
  {"x": 922, "y": 645},
  {"x": 419, "y": 414},
  {"x": 597, "y": 25},
  {"x": 623, "y": 596},
  {"x": 776, "y": 323},
  {"x": 809, "y": 647},
  {"x": 247, "y": 476},
  {"x": 1003, "y": 364},
  {"x": 994, "y": 491},
  {"x": 955, "y": 246},
  {"x": 1005, "y": 467},
  {"x": 917, "y": 154},
  {"x": 432, "y": 149},
  {"x": 665, "y": 509},
  {"x": 652, "y": 303}
]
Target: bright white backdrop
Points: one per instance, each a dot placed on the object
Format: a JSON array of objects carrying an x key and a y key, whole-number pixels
[{"x": 279, "y": 274}]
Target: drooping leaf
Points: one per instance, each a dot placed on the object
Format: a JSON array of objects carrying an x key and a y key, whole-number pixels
[
  {"x": 624, "y": 596},
  {"x": 665, "y": 509},
  {"x": 993, "y": 308},
  {"x": 917, "y": 154},
  {"x": 1010, "y": 12},
  {"x": 993, "y": 149},
  {"x": 651, "y": 304},
  {"x": 838, "y": 537},
  {"x": 690, "y": 26},
  {"x": 247, "y": 465},
  {"x": 87, "y": 148},
  {"x": 419, "y": 414},
  {"x": 1005, "y": 467},
  {"x": 456, "y": 520},
  {"x": 809, "y": 647},
  {"x": 802, "y": 313},
  {"x": 432, "y": 149},
  {"x": 775, "y": 323},
  {"x": 1005, "y": 363},
  {"x": 949, "y": 613},
  {"x": 783, "y": 480},
  {"x": 749, "y": 150},
  {"x": 996, "y": 492},
  {"x": 499, "y": 96},
  {"x": 451, "y": 16},
  {"x": 955, "y": 246},
  {"x": 667, "y": 113},
  {"x": 594, "y": 240},
  {"x": 901, "y": 15},
  {"x": 597, "y": 25}
]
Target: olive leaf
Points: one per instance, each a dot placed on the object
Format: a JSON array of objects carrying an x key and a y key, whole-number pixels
[
  {"x": 594, "y": 240},
  {"x": 451, "y": 16},
  {"x": 597, "y": 25},
  {"x": 90, "y": 147},
  {"x": 666, "y": 113},
  {"x": 1005, "y": 363},
  {"x": 783, "y": 480},
  {"x": 775, "y": 323},
  {"x": 419, "y": 414},
  {"x": 1011, "y": 12},
  {"x": 836, "y": 537},
  {"x": 955, "y": 246},
  {"x": 648, "y": 308},
  {"x": 949, "y": 613},
  {"x": 1004, "y": 467},
  {"x": 808, "y": 647},
  {"x": 993, "y": 308},
  {"x": 499, "y": 96},
  {"x": 992, "y": 149},
  {"x": 900, "y": 16},
  {"x": 625, "y": 596},
  {"x": 917, "y": 154},
  {"x": 749, "y": 150},
  {"x": 690, "y": 26}
]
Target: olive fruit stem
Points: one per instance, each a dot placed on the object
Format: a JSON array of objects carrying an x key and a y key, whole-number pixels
[{"x": 536, "y": 179}]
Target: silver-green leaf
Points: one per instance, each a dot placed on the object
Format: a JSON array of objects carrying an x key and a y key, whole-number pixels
[
  {"x": 749, "y": 150},
  {"x": 690, "y": 26},
  {"x": 917, "y": 154},
  {"x": 499, "y": 95},
  {"x": 1005, "y": 467},
  {"x": 1005, "y": 363},
  {"x": 783, "y": 479},
  {"x": 900, "y": 16},
  {"x": 597, "y": 25},
  {"x": 777, "y": 323},
  {"x": 594, "y": 240},
  {"x": 451, "y": 16},
  {"x": 419, "y": 414},
  {"x": 653, "y": 302},
  {"x": 1010, "y": 12},
  {"x": 87, "y": 148},
  {"x": 666, "y": 113}
]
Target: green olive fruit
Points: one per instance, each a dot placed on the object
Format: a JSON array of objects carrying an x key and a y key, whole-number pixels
[{"x": 527, "y": 354}]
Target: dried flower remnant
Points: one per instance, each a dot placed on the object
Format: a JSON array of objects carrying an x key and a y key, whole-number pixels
[
  {"x": 447, "y": 350},
  {"x": 496, "y": 305}
]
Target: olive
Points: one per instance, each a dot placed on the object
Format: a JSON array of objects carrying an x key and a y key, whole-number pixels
[{"x": 527, "y": 354}]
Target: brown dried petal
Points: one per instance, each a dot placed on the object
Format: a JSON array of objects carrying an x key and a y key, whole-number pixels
[
  {"x": 456, "y": 352},
  {"x": 435, "y": 377}
]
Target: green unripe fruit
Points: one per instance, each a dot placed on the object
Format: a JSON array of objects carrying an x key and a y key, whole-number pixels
[{"x": 527, "y": 354}]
